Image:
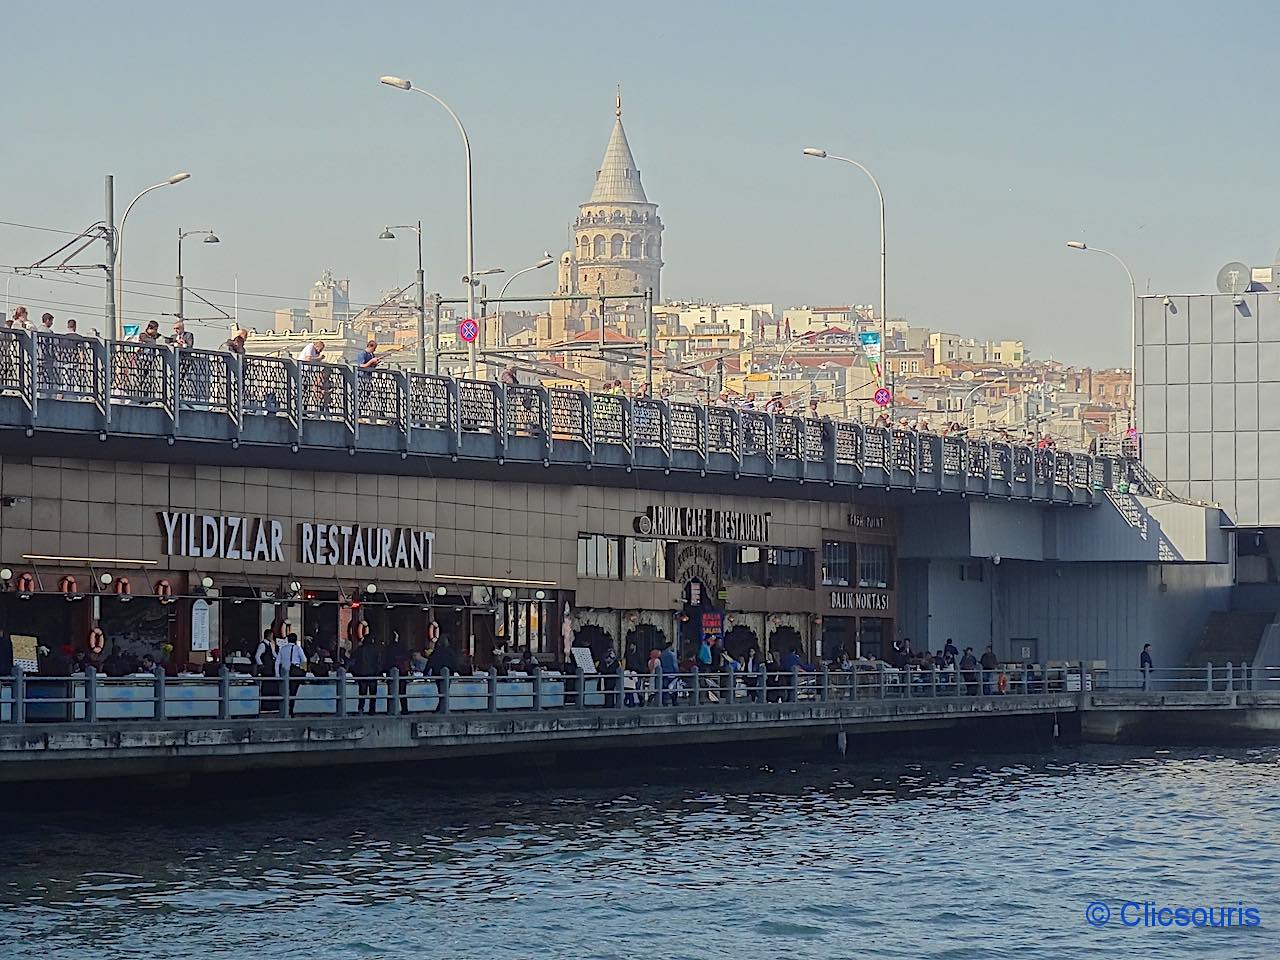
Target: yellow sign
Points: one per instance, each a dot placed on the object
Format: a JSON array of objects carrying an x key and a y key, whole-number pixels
[{"x": 25, "y": 652}]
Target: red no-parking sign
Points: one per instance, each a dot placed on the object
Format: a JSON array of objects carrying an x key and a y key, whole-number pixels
[
  {"x": 883, "y": 397},
  {"x": 468, "y": 330}
]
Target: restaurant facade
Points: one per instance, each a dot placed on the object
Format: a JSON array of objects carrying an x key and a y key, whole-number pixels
[{"x": 180, "y": 560}]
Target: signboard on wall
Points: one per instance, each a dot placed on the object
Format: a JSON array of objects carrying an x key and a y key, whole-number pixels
[
  {"x": 26, "y": 653},
  {"x": 699, "y": 523},
  {"x": 200, "y": 625},
  {"x": 261, "y": 539},
  {"x": 712, "y": 624},
  {"x": 869, "y": 600}
]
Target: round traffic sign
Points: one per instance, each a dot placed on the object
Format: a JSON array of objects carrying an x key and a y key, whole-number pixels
[
  {"x": 468, "y": 330},
  {"x": 883, "y": 397}
]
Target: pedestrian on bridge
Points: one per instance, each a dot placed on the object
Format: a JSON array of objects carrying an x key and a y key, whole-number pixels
[{"x": 1146, "y": 665}]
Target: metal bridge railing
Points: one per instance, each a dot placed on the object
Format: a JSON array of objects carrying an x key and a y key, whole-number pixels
[
  {"x": 381, "y": 397},
  {"x": 569, "y": 418},
  {"x": 431, "y": 403},
  {"x": 50, "y": 367},
  {"x": 95, "y": 698},
  {"x": 208, "y": 380},
  {"x": 269, "y": 387}
]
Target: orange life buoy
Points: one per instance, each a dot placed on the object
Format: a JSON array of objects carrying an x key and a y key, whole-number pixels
[
  {"x": 1002, "y": 683},
  {"x": 68, "y": 585},
  {"x": 97, "y": 642},
  {"x": 26, "y": 583},
  {"x": 121, "y": 586}
]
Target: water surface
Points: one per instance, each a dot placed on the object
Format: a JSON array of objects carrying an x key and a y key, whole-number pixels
[{"x": 954, "y": 857}]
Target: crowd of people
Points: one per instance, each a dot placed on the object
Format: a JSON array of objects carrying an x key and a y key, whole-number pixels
[{"x": 368, "y": 359}]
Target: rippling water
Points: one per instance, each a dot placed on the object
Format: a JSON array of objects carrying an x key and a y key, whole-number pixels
[{"x": 976, "y": 857}]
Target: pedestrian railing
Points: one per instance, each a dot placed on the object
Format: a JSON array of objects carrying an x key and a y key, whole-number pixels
[
  {"x": 93, "y": 697},
  {"x": 38, "y": 370}
]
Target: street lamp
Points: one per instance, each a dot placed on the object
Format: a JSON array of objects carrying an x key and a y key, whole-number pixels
[
  {"x": 420, "y": 295},
  {"x": 1133, "y": 323},
  {"x": 546, "y": 261},
  {"x": 209, "y": 237},
  {"x": 119, "y": 262},
  {"x": 884, "y": 310},
  {"x": 400, "y": 83}
]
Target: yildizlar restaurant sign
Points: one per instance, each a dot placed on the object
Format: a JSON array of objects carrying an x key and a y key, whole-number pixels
[{"x": 260, "y": 540}]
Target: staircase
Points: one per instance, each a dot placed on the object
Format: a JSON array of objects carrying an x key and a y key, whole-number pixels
[{"x": 1231, "y": 637}]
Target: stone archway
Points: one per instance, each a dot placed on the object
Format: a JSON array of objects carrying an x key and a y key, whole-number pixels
[
  {"x": 739, "y": 641},
  {"x": 784, "y": 639},
  {"x": 596, "y": 638}
]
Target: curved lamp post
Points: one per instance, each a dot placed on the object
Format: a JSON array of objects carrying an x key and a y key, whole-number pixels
[
  {"x": 1133, "y": 323},
  {"x": 545, "y": 261},
  {"x": 400, "y": 83},
  {"x": 119, "y": 264},
  {"x": 884, "y": 314},
  {"x": 420, "y": 294},
  {"x": 209, "y": 237}
]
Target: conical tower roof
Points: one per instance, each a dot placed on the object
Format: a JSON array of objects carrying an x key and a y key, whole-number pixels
[{"x": 618, "y": 180}]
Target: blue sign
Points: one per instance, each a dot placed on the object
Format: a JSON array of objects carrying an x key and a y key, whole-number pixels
[
  {"x": 883, "y": 397},
  {"x": 468, "y": 330}
]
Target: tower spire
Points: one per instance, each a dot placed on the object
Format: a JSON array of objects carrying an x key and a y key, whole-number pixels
[{"x": 617, "y": 102}]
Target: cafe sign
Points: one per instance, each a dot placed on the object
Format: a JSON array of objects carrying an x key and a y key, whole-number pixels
[
  {"x": 258, "y": 539},
  {"x": 868, "y": 600},
  {"x": 699, "y": 523}
]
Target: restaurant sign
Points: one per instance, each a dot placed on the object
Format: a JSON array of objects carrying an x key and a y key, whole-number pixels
[
  {"x": 866, "y": 521},
  {"x": 699, "y": 523},
  {"x": 257, "y": 539},
  {"x": 859, "y": 600}
]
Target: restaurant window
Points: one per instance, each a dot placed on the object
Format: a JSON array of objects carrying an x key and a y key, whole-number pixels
[
  {"x": 599, "y": 556},
  {"x": 790, "y": 567},
  {"x": 525, "y": 623},
  {"x": 743, "y": 564},
  {"x": 873, "y": 565},
  {"x": 646, "y": 559},
  {"x": 837, "y": 563}
]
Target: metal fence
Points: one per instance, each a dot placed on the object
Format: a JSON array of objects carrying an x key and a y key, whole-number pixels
[
  {"x": 40, "y": 367},
  {"x": 94, "y": 698}
]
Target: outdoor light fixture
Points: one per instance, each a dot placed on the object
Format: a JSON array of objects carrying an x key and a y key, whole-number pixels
[
  {"x": 539, "y": 595},
  {"x": 6, "y": 574},
  {"x": 815, "y": 152},
  {"x": 506, "y": 593},
  {"x": 105, "y": 579},
  {"x": 371, "y": 588},
  {"x": 398, "y": 82},
  {"x": 441, "y": 591},
  {"x": 294, "y": 586},
  {"x": 206, "y": 582},
  {"x": 386, "y": 234}
]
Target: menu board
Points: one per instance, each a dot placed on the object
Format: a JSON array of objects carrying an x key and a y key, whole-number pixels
[{"x": 25, "y": 652}]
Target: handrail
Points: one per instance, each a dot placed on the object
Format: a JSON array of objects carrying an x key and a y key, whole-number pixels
[
  {"x": 40, "y": 368},
  {"x": 96, "y": 698}
]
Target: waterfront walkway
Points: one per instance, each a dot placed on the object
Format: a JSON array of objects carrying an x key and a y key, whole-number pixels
[{"x": 58, "y": 728}]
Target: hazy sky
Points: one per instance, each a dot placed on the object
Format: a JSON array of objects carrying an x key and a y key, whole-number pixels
[{"x": 998, "y": 131}]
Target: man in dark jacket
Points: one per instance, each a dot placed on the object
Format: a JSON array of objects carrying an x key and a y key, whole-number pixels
[
  {"x": 368, "y": 667},
  {"x": 969, "y": 671},
  {"x": 990, "y": 663}
]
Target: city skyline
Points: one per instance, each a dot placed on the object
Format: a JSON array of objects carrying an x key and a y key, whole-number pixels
[{"x": 964, "y": 254}]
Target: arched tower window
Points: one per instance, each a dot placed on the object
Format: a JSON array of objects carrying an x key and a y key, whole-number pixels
[
  {"x": 651, "y": 249},
  {"x": 585, "y": 243},
  {"x": 637, "y": 246},
  {"x": 599, "y": 246},
  {"x": 615, "y": 245}
]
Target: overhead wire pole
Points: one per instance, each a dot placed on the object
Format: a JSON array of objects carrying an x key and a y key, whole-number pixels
[
  {"x": 110, "y": 265},
  {"x": 648, "y": 354}
]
